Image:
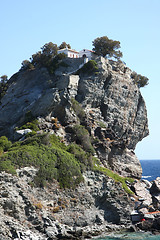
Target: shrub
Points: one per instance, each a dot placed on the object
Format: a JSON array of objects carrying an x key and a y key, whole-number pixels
[
  {"x": 78, "y": 109},
  {"x": 49, "y": 155},
  {"x": 5, "y": 144},
  {"x": 30, "y": 122},
  {"x": 7, "y": 166},
  {"x": 82, "y": 137},
  {"x": 26, "y": 64},
  {"x": 3, "y": 85},
  {"x": 140, "y": 80},
  {"x": 50, "y": 61},
  {"x": 89, "y": 68},
  {"x": 31, "y": 125},
  {"x": 84, "y": 159}
]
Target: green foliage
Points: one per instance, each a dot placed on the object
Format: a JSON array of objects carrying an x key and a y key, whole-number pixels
[
  {"x": 101, "y": 124},
  {"x": 33, "y": 125},
  {"x": 64, "y": 45},
  {"x": 26, "y": 64},
  {"x": 49, "y": 155},
  {"x": 30, "y": 122},
  {"x": 140, "y": 80},
  {"x": 51, "y": 62},
  {"x": 89, "y": 68},
  {"x": 5, "y": 144},
  {"x": 57, "y": 62},
  {"x": 82, "y": 137},
  {"x": 3, "y": 85},
  {"x": 115, "y": 176},
  {"x": 54, "y": 159},
  {"x": 47, "y": 57},
  {"x": 4, "y": 78},
  {"x": 50, "y": 49},
  {"x": 69, "y": 173},
  {"x": 7, "y": 167},
  {"x": 85, "y": 159},
  {"x": 107, "y": 47},
  {"x": 78, "y": 109}
]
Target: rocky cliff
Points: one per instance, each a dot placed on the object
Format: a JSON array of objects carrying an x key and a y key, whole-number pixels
[{"x": 109, "y": 105}]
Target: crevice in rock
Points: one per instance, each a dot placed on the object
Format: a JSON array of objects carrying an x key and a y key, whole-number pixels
[{"x": 107, "y": 81}]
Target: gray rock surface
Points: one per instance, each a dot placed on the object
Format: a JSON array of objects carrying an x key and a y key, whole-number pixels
[
  {"x": 113, "y": 111},
  {"x": 114, "y": 107},
  {"x": 50, "y": 213}
]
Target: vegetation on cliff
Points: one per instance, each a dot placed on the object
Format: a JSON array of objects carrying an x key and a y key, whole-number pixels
[
  {"x": 53, "y": 159},
  {"x": 3, "y": 85},
  {"x": 140, "y": 80},
  {"x": 106, "y": 47},
  {"x": 49, "y": 58}
]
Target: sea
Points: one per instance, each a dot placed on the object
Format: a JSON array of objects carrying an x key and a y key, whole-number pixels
[
  {"x": 130, "y": 236},
  {"x": 150, "y": 171}
]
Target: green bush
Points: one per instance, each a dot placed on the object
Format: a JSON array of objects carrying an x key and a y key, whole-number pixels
[
  {"x": 7, "y": 167},
  {"x": 3, "y": 85},
  {"x": 54, "y": 160},
  {"x": 46, "y": 153},
  {"x": 140, "y": 80},
  {"x": 84, "y": 158},
  {"x": 78, "y": 109},
  {"x": 51, "y": 62},
  {"x": 31, "y": 125},
  {"x": 5, "y": 144},
  {"x": 89, "y": 68},
  {"x": 30, "y": 122},
  {"x": 82, "y": 137}
]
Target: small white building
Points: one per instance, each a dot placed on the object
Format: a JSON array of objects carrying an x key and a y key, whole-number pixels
[
  {"x": 85, "y": 53},
  {"x": 69, "y": 52}
]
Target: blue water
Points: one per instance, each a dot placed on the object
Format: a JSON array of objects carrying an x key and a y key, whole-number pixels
[
  {"x": 130, "y": 236},
  {"x": 151, "y": 169}
]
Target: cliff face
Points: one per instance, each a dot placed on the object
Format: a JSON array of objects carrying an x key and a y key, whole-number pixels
[
  {"x": 115, "y": 111},
  {"x": 110, "y": 106},
  {"x": 97, "y": 205}
]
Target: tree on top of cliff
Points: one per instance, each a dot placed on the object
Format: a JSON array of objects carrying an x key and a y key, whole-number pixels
[
  {"x": 140, "y": 80},
  {"x": 64, "y": 45},
  {"x": 50, "y": 49},
  {"x": 107, "y": 47},
  {"x": 3, "y": 85}
]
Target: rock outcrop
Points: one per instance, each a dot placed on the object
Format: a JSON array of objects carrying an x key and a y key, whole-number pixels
[
  {"x": 147, "y": 205},
  {"x": 114, "y": 108},
  {"x": 110, "y": 106},
  {"x": 50, "y": 213}
]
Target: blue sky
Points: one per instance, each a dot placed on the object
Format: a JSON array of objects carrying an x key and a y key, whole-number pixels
[{"x": 25, "y": 26}]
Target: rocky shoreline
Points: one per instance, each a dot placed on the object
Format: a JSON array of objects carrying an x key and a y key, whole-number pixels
[{"x": 148, "y": 205}]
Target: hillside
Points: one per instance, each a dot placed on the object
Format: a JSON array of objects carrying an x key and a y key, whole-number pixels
[{"x": 72, "y": 135}]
